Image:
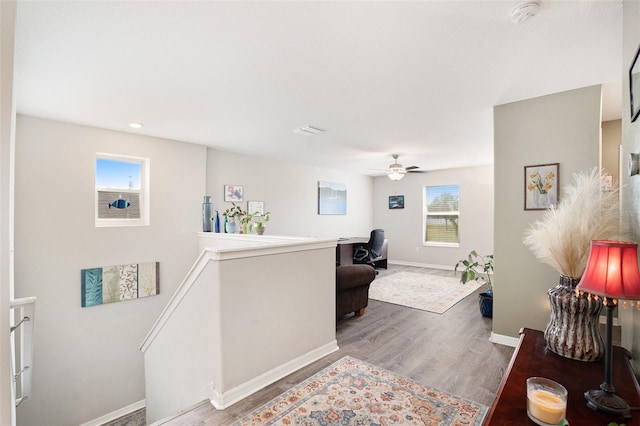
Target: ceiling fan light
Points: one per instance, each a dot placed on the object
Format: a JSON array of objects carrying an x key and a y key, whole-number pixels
[{"x": 395, "y": 175}]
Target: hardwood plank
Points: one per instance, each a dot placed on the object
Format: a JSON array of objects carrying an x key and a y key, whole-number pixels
[{"x": 450, "y": 352}]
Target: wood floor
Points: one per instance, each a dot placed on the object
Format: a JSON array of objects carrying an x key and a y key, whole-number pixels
[{"x": 450, "y": 352}]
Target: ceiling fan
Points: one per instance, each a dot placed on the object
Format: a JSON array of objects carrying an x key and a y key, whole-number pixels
[{"x": 397, "y": 172}]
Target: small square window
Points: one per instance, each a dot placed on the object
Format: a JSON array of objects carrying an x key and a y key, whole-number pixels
[{"x": 121, "y": 194}]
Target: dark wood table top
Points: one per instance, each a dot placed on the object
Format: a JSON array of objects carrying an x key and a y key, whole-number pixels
[
  {"x": 353, "y": 240},
  {"x": 531, "y": 358}
]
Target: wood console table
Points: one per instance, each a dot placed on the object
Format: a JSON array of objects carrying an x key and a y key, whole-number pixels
[
  {"x": 531, "y": 358},
  {"x": 344, "y": 251}
]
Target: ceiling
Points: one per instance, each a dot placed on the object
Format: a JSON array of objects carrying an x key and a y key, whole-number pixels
[{"x": 415, "y": 78}]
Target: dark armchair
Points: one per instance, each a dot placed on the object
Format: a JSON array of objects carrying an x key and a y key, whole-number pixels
[
  {"x": 352, "y": 288},
  {"x": 372, "y": 250}
]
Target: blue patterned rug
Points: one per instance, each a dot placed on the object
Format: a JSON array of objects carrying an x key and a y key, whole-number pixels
[{"x": 352, "y": 392}]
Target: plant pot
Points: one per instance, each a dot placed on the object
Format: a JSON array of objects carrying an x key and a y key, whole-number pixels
[
  {"x": 260, "y": 230},
  {"x": 486, "y": 304},
  {"x": 232, "y": 227}
]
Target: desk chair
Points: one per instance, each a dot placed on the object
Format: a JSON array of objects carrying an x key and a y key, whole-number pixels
[{"x": 372, "y": 250}]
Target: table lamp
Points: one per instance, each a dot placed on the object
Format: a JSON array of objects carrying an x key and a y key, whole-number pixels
[{"x": 612, "y": 273}]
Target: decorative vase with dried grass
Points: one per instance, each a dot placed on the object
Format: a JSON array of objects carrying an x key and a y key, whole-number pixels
[{"x": 562, "y": 239}]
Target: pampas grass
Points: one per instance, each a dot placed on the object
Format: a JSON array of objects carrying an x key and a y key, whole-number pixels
[{"x": 562, "y": 238}]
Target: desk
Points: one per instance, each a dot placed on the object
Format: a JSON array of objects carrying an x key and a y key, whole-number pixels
[
  {"x": 531, "y": 358},
  {"x": 344, "y": 251}
]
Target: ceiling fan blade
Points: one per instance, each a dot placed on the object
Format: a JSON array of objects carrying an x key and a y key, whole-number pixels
[
  {"x": 411, "y": 168},
  {"x": 417, "y": 171}
]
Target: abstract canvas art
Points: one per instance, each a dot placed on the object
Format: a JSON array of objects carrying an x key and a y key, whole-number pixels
[{"x": 110, "y": 284}]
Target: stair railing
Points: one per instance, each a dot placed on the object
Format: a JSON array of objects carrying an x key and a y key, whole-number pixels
[{"x": 24, "y": 311}]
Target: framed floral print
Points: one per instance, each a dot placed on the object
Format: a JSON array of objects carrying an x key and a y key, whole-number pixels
[
  {"x": 233, "y": 193},
  {"x": 541, "y": 186}
]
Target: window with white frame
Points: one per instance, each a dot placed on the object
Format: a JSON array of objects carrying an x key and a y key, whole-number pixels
[
  {"x": 121, "y": 194},
  {"x": 441, "y": 215}
]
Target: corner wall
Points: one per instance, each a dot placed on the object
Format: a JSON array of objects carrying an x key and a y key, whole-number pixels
[
  {"x": 87, "y": 360},
  {"x": 406, "y": 225},
  {"x": 560, "y": 128}
]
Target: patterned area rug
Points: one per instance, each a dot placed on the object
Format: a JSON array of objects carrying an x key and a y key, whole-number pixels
[
  {"x": 431, "y": 293},
  {"x": 354, "y": 393}
]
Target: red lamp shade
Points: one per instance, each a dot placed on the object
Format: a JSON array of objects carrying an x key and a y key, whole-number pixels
[{"x": 612, "y": 270}]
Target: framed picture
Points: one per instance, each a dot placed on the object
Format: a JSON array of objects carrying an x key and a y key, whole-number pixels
[
  {"x": 332, "y": 198},
  {"x": 607, "y": 183},
  {"x": 255, "y": 207},
  {"x": 541, "y": 186},
  {"x": 634, "y": 87},
  {"x": 396, "y": 201},
  {"x": 233, "y": 193}
]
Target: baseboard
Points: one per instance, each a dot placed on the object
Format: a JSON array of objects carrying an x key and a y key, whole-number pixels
[
  {"x": 501, "y": 339},
  {"x": 420, "y": 265},
  {"x": 117, "y": 414},
  {"x": 224, "y": 400}
]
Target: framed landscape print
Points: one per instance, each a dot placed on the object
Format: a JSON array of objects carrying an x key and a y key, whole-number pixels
[
  {"x": 541, "y": 186},
  {"x": 396, "y": 201},
  {"x": 332, "y": 198}
]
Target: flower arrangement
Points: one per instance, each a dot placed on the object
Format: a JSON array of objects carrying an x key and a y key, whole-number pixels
[
  {"x": 540, "y": 184},
  {"x": 562, "y": 238}
]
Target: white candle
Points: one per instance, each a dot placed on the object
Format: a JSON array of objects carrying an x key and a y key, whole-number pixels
[
  {"x": 546, "y": 401},
  {"x": 547, "y": 406}
]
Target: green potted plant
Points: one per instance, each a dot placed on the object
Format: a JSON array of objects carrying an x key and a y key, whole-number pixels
[
  {"x": 478, "y": 268},
  {"x": 234, "y": 214},
  {"x": 260, "y": 220}
]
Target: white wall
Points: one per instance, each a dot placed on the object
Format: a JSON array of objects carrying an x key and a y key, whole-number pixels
[
  {"x": 256, "y": 324},
  {"x": 560, "y": 128},
  {"x": 630, "y": 186},
  {"x": 87, "y": 360},
  {"x": 7, "y": 127},
  {"x": 290, "y": 193},
  {"x": 611, "y": 140},
  {"x": 404, "y": 227}
]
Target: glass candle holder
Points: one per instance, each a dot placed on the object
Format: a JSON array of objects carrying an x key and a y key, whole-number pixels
[{"x": 546, "y": 401}]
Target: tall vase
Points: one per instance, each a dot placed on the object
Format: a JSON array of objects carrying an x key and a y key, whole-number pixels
[
  {"x": 207, "y": 211},
  {"x": 573, "y": 330}
]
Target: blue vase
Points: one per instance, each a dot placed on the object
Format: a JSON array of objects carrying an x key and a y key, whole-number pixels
[{"x": 217, "y": 222}]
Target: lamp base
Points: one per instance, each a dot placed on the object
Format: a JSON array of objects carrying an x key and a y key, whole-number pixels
[{"x": 608, "y": 402}]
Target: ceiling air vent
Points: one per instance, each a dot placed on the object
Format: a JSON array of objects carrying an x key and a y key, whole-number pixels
[{"x": 308, "y": 130}]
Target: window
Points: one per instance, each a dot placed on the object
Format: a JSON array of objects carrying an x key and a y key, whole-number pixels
[
  {"x": 122, "y": 185},
  {"x": 441, "y": 215}
]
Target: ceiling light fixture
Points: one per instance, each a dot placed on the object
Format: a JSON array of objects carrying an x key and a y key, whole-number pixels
[
  {"x": 136, "y": 125},
  {"x": 525, "y": 10},
  {"x": 396, "y": 174},
  {"x": 308, "y": 130}
]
